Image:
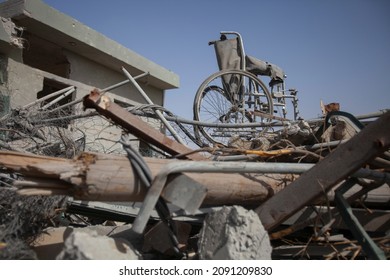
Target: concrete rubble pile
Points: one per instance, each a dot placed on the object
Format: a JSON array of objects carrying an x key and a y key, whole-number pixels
[
  {"x": 89, "y": 173},
  {"x": 277, "y": 202}
]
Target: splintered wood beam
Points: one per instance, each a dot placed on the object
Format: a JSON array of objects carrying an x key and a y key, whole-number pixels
[
  {"x": 369, "y": 143},
  {"x": 103, "y": 177},
  {"x": 134, "y": 125}
]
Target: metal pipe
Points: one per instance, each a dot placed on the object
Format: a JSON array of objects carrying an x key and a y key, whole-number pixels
[
  {"x": 323, "y": 145},
  {"x": 103, "y": 90},
  {"x": 160, "y": 180},
  {"x": 372, "y": 115},
  {"x": 124, "y": 82},
  {"x": 63, "y": 95},
  {"x": 158, "y": 113},
  {"x": 48, "y": 96},
  {"x": 169, "y": 118},
  {"x": 66, "y": 118},
  {"x": 66, "y": 105},
  {"x": 217, "y": 125},
  {"x": 359, "y": 117}
]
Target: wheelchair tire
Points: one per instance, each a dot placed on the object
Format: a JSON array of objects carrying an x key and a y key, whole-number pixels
[{"x": 231, "y": 97}]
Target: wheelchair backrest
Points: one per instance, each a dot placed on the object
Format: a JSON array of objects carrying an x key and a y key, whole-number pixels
[{"x": 229, "y": 54}]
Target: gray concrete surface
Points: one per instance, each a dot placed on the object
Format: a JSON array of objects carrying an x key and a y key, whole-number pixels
[
  {"x": 90, "y": 245},
  {"x": 234, "y": 233}
]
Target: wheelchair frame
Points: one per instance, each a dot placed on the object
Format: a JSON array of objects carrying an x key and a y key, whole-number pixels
[{"x": 237, "y": 96}]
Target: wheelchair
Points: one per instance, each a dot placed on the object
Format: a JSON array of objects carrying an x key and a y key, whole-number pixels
[{"x": 234, "y": 102}]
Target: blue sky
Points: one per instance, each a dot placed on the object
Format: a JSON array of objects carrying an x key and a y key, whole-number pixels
[{"x": 334, "y": 50}]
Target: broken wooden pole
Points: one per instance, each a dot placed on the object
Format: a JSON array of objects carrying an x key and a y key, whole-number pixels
[
  {"x": 103, "y": 177},
  {"x": 336, "y": 167}
]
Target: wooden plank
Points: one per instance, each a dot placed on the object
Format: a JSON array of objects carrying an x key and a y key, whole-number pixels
[{"x": 337, "y": 166}]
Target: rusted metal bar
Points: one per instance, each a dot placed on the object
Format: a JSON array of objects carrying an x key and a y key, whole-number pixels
[
  {"x": 337, "y": 166},
  {"x": 368, "y": 245},
  {"x": 136, "y": 126},
  {"x": 269, "y": 116}
]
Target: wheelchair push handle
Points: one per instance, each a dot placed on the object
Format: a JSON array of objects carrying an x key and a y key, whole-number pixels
[
  {"x": 240, "y": 42},
  {"x": 223, "y": 37}
]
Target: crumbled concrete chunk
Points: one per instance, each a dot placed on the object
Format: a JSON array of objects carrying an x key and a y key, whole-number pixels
[
  {"x": 13, "y": 31},
  {"x": 90, "y": 246},
  {"x": 234, "y": 233}
]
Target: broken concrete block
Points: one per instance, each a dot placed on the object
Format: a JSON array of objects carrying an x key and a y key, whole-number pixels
[
  {"x": 10, "y": 30},
  {"x": 234, "y": 233},
  {"x": 90, "y": 246}
]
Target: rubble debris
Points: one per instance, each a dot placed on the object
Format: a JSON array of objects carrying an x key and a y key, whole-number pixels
[
  {"x": 296, "y": 133},
  {"x": 341, "y": 163},
  {"x": 64, "y": 243},
  {"x": 253, "y": 173},
  {"x": 92, "y": 176},
  {"x": 13, "y": 31},
  {"x": 91, "y": 246},
  {"x": 130, "y": 123},
  {"x": 22, "y": 218},
  {"x": 21, "y": 130},
  {"x": 234, "y": 233},
  {"x": 285, "y": 177}
]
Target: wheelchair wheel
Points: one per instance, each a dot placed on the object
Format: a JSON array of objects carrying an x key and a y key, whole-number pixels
[{"x": 232, "y": 97}]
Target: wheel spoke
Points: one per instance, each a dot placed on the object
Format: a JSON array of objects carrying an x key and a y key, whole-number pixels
[{"x": 231, "y": 96}]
